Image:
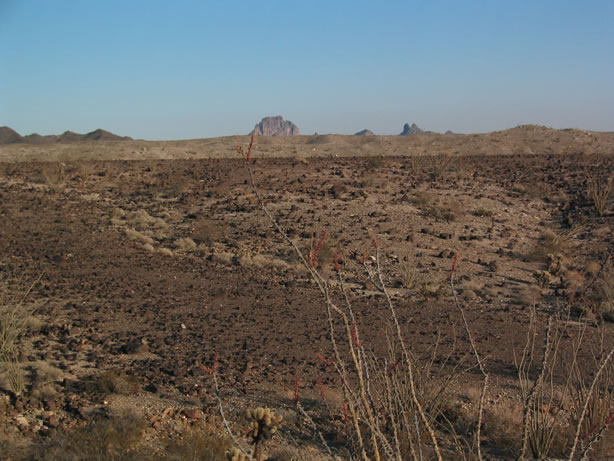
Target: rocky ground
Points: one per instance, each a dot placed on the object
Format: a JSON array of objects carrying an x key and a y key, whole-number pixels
[{"x": 140, "y": 273}]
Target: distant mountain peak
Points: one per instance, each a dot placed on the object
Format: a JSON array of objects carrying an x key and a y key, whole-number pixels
[
  {"x": 364, "y": 133},
  {"x": 275, "y": 126},
  {"x": 409, "y": 130}
]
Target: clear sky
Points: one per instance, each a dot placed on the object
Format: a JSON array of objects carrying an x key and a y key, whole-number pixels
[{"x": 187, "y": 69}]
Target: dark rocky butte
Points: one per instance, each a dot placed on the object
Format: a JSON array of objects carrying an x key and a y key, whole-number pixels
[
  {"x": 409, "y": 130},
  {"x": 275, "y": 126}
]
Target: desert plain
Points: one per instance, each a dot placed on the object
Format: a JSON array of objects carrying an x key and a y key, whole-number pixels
[{"x": 137, "y": 269}]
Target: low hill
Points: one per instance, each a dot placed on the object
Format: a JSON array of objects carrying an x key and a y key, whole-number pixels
[
  {"x": 364, "y": 133},
  {"x": 103, "y": 135},
  {"x": 9, "y": 136}
]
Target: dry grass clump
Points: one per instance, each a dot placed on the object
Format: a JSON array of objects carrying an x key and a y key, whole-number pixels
[
  {"x": 134, "y": 234},
  {"x": 54, "y": 173},
  {"x": 197, "y": 443},
  {"x": 206, "y": 231},
  {"x": 599, "y": 191},
  {"x": 483, "y": 212},
  {"x": 439, "y": 164},
  {"x": 556, "y": 244},
  {"x": 16, "y": 319},
  {"x": 600, "y": 299},
  {"x": 259, "y": 261},
  {"x": 433, "y": 206},
  {"x": 143, "y": 220},
  {"x": 102, "y": 440},
  {"x": 185, "y": 244},
  {"x": 111, "y": 383}
]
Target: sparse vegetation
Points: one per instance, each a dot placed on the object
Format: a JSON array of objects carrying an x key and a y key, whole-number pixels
[
  {"x": 235, "y": 276},
  {"x": 599, "y": 191}
]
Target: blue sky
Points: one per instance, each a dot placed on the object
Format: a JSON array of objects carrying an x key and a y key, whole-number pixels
[{"x": 187, "y": 69}]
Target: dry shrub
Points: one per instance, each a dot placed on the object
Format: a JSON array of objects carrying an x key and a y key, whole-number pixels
[
  {"x": 142, "y": 220},
  {"x": 223, "y": 257},
  {"x": 15, "y": 320},
  {"x": 409, "y": 271},
  {"x": 439, "y": 164},
  {"x": 111, "y": 383},
  {"x": 260, "y": 261},
  {"x": 433, "y": 206},
  {"x": 134, "y": 234},
  {"x": 185, "y": 244},
  {"x": 199, "y": 443},
  {"x": 545, "y": 431},
  {"x": 600, "y": 299},
  {"x": 319, "y": 139},
  {"x": 502, "y": 429},
  {"x": 165, "y": 251},
  {"x": 553, "y": 243},
  {"x": 374, "y": 162},
  {"x": 54, "y": 173},
  {"x": 45, "y": 373},
  {"x": 599, "y": 190},
  {"x": 596, "y": 396},
  {"x": 102, "y": 440},
  {"x": 483, "y": 212},
  {"x": 206, "y": 231}
]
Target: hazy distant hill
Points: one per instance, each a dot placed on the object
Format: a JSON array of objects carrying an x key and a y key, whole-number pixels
[
  {"x": 103, "y": 135},
  {"x": 364, "y": 133},
  {"x": 10, "y": 136}
]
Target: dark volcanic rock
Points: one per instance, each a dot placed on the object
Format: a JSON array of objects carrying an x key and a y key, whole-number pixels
[
  {"x": 364, "y": 133},
  {"x": 9, "y": 136},
  {"x": 409, "y": 130},
  {"x": 275, "y": 126}
]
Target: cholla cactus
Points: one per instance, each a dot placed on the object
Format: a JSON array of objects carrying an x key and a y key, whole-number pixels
[
  {"x": 264, "y": 424},
  {"x": 236, "y": 455},
  {"x": 542, "y": 278},
  {"x": 555, "y": 263}
]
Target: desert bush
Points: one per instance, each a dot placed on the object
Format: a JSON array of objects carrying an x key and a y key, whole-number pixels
[
  {"x": 432, "y": 206},
  {"x": 110, "y": 382},
  {"x": 185, "y": 244},
  {"x": 550, "y": 242},
  {"x": 54, "y": 173},
  {"x": 599, "y": 191},
  {"x": 102, "y": 440},
  {"x": 439, "y": 164},
  {"x": 201, "y": 443},
  {"x": 483, "y": 212},
  {"x": 592, "y": 404},
  {"x": 543, "y": 428},
  {"x": 15, "y": 319},
  {"x": 207, "y": 231},
  {"x": 134, "y": 234}
]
